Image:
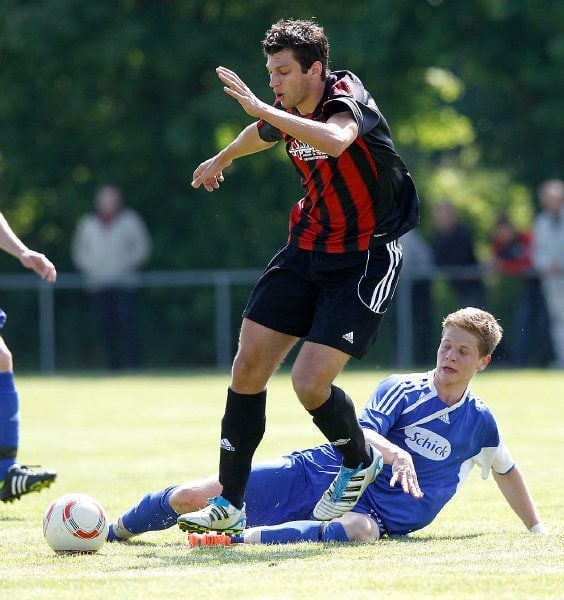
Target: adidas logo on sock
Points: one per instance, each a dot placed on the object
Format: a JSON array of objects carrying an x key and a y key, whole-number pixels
[
  {"x": 341, "y": 442},
  {"x": 226, "y": 445},
  {"x": 349, "y": 337}
]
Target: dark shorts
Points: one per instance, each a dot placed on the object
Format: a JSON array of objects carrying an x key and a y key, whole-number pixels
[
  {"x": 333, "y": 299},
  {"x": 288, "y": 488}
]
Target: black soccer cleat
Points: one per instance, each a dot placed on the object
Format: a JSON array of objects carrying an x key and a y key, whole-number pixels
[{"x": 22, "y": 480}]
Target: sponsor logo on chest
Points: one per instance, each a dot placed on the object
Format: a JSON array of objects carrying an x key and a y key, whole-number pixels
[
  {"x": 427, "y": 443},
  {"x": 305, "y": 152}
]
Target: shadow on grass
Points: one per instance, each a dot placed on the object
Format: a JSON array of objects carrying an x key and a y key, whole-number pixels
[
  {"x": 406, "y": 539},
  {"x": 11, "y": 518},
  {"x": 180, "y": 554}
]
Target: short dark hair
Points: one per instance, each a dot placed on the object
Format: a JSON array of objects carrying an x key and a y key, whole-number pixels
[{"x": 306, "y": 39}]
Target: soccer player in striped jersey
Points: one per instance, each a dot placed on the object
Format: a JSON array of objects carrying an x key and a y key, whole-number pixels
[
  {"x": 430, "y": 430},
  {"x": 15, "y": 479},
  {"x": 331, "y": 284}
]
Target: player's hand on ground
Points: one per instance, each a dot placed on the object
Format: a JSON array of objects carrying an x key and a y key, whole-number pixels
[
  {"x": 209, "y": 174},
  {"x": 238, "y": 89},
  {"x": 403, "y": 472},
  {"x": 40, "y": 264}
]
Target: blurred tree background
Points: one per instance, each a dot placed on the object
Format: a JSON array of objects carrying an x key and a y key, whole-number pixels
[{"x": 125, "y": 91}]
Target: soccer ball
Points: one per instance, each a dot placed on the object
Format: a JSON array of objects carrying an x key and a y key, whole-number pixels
[{"x": 75, "y": 523}]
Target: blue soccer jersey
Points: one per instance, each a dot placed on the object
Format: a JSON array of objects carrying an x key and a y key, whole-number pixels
[{"x": 444, "y": 441}]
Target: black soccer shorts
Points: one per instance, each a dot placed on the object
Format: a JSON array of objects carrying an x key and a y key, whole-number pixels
[{"x": 333, "y": 299}]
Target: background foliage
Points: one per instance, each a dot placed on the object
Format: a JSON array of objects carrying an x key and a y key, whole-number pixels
[{"x": 125, "y": 91}]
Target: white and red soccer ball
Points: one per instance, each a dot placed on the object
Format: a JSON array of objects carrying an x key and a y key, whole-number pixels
[{"x": 75, "y": 523}]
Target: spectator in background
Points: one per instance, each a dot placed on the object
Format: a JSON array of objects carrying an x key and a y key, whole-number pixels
[
  {"x": 453, "y": 246},
  {"x": 108, "y": 247},
  {"x": 418, "y": 261},
  {"x": 548, "y": 256},
  {"x": 512, "y": 257}
]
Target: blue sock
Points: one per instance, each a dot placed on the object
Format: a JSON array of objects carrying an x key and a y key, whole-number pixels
[
  {"x": 153, "y": 513},
  {"x": 9, "y": 422},
  {"x": 303, "y": 531}
]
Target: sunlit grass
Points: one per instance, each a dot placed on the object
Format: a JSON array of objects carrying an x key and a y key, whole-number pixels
[{"x": 116, "y": 438}]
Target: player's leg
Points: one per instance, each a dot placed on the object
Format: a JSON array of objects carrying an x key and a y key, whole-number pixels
[
  {"x": 279, "y": 312},
  {"x": 261, "y": 350},
  {"x": 334, "y": 414},
  {"x": 160, "y": 510},
  {"x": 15, "y": 480},
  {"x": 276, "y": 492},
  {"x": 355, "y": 292},
  {"x": 206, "y": 504},
  {"x": 351, "y": 527}
]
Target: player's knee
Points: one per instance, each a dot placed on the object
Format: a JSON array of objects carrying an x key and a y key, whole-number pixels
[
  {"x": 248, "y": 374},
  {"x": 308, "y": 386},
  {"x": 6, "y": 363},
  {"x": 184, "y": 499},
  {"x": 359, "y": 528},
  {"x": 193, "y": 495}
]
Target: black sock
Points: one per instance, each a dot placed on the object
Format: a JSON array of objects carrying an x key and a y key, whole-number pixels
[
  {"x": 242, "y": 428},
  {"x": 336, "y": 419}
]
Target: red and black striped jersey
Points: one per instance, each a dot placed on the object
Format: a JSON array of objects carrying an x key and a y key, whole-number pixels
[{"x": 363, "y": 197}]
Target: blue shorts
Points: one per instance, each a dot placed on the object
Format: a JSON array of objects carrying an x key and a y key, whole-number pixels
[
  {"x": 2, "y": 318},
  {"x": 287, "y": 488}
]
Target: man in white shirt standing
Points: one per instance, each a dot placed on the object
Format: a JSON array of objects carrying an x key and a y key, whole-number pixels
[
  {"x": 548, "y": 257},
  {"x": 109, "y": 247}
]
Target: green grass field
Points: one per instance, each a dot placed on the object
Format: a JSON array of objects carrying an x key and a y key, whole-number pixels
[{"x": 116, "y": 438}]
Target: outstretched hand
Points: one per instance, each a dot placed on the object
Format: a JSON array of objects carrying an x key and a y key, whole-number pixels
[
  {"x": 238, "y": 89},
  {"x": 209, "y": 174},
  {"x": 40, "y": 264},
  {"x": 403, "y": 472}
]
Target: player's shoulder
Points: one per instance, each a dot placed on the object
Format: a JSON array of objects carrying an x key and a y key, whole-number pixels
[
  {"x": 405, "y": 384},
  {"x": 345, "y": 83},
  {"x": 481, "y": 410}
]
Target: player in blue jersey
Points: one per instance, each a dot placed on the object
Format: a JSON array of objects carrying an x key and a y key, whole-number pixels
[
  {"x": 15, "y": 479},
  {"x": 429, "y": 429}
]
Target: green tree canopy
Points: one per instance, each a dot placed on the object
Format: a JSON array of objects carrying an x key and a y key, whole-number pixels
[{"x": 125, "y": 91}]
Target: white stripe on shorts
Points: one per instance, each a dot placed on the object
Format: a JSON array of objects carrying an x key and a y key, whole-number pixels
[{"x": 383, "y": 290}]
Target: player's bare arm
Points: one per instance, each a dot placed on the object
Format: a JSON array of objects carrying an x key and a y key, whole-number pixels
[
  {"x": 210, "y": 172},
  {"x": 332, "y": 137},
  {"x": 403, "y": 470},
  {"x": 30, "y": 259},
  {"x": 515, "y": 491}
]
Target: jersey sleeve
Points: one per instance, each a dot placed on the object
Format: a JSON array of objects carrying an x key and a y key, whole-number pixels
[
  {"x": 348, "y": 94},
  {"x": 494, "y": 454},
  {"x": 385, "y": 406},
  {"x": 497, "y": 458},
  {"x": 266, "y": 131}
]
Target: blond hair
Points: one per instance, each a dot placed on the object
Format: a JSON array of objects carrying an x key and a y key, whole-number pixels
[{"x": 480, "y": 323}]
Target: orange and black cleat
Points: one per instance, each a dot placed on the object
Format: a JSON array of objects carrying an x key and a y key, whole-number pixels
[{"x": 210, "y": 538}]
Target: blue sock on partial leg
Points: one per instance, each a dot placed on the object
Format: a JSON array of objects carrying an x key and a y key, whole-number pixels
[
  {"x": 303, "y": 531},
  {"x": 153, "y": 513},
  {"x": 9, "y": 422}
]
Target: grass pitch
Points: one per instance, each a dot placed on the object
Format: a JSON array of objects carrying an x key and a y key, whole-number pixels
[{"x": 116, "y": 438}]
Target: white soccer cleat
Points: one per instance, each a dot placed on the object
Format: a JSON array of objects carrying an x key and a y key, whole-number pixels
[
  {"x": 347, "y": 488},
  {"x": 219, "y": 515}
]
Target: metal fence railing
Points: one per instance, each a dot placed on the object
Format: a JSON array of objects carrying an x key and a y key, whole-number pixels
[{"x": 222, "y": 282}]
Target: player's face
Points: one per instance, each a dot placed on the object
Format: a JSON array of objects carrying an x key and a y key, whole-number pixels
[
  {"x": 293, "y": 89},
  {"x": 458, "y": 357}
]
